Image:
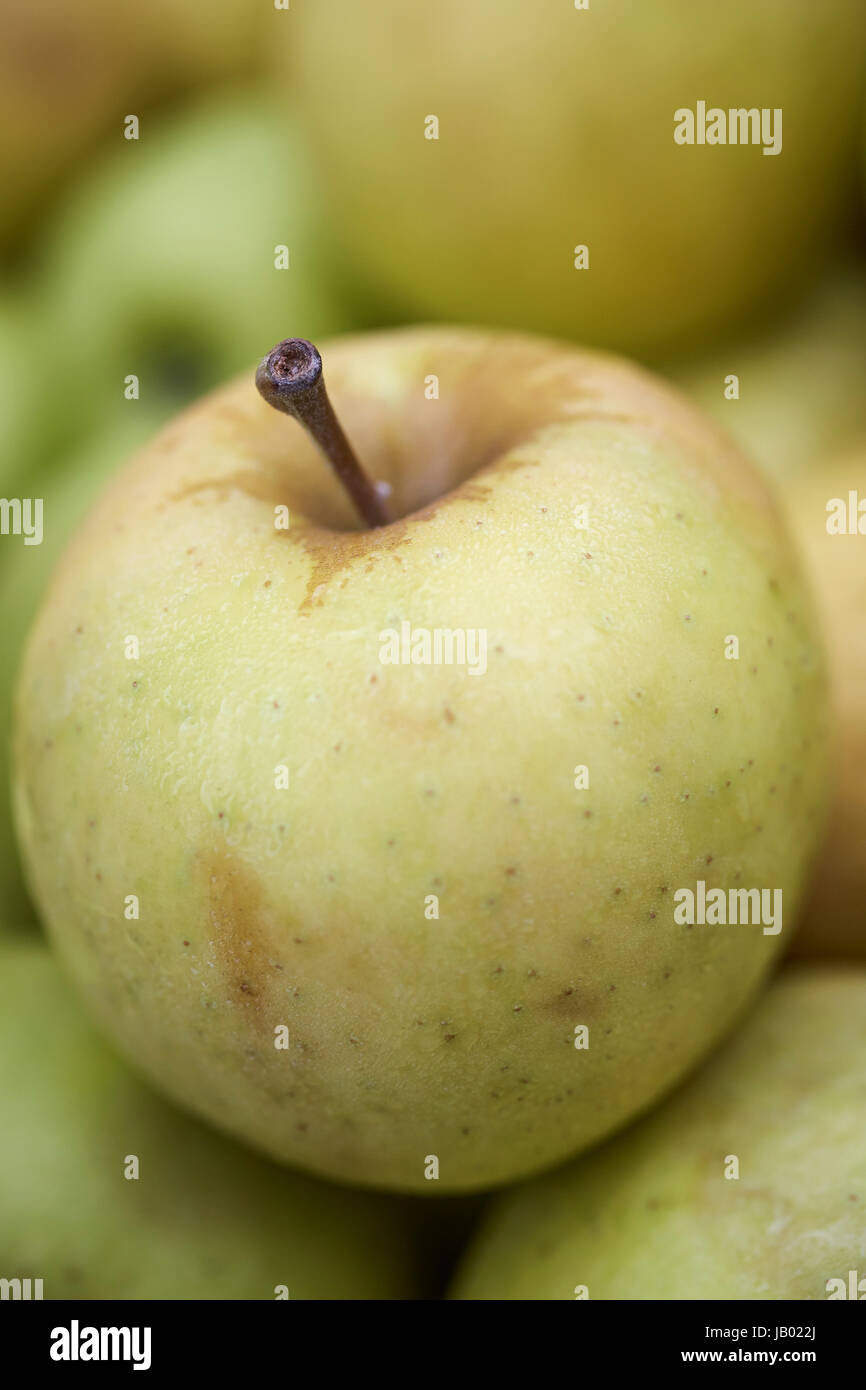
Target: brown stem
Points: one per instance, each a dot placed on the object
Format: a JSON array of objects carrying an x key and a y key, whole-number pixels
[{"x": 290, "y": 379}]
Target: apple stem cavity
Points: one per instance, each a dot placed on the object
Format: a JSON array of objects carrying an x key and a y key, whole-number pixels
[{"x": 290, "y": 379}]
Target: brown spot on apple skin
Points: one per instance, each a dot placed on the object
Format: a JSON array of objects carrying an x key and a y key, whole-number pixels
[
  {"x": 242, "y": 938},
  {"x": 332, "y": 552},
  {"x": 571, "y": 1004}
]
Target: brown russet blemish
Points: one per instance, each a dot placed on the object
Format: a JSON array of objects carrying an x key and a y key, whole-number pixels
[
  {"x": 242, "y": 937},
  {"x": 568, "y": 1005},
  {"x": 332, "y": 552}
]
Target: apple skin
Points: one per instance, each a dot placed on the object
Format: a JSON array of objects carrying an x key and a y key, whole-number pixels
[
  {"x": 162, "y": 262},
  {"x": 67, "y": 492},
  {"x": 835, "y": 918},
  {"x": 802, "y": 380},
  {"x": 305, "y": 906},
  {"x": 651, "y": 1214},
  {"x": 556, "y": 130},
  {"x": 205, "y": 1220}
]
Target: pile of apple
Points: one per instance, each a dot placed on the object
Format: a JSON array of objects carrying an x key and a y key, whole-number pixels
[{"x": 350, "y": 933}]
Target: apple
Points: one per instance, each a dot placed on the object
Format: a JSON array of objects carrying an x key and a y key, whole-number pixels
[
  {"x": 358, "y": 910},
  {"x": 22, "y": 414},
  {"x": 65, "y": 493},
  {"x": 800, "y": 389},
  {"x": 70, "y": 76},
  {"x": 162, "y": 265},
  {"x": 107, "y": 1192},
  {"x": 556, "y": 131},
  {"x": 834, "y": 496},
  {"x": 748, "y": 1184}
]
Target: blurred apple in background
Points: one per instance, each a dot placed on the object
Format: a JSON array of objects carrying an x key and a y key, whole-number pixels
[
  {"x": 556, "y": 129},
  {"x": 835, "y": 919},
  {"x": 22, "y": 404},
  {"x": 801, "y": 381},
  {"x": 203, "y": 1219},
  {"x": 70, "y": 74},
  {"x": 162, "y": 264}
]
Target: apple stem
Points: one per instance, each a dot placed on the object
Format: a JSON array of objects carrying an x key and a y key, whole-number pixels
[{"x": 290, "y": 379}]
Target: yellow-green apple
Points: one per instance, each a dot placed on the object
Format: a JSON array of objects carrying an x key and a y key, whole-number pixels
[
  {"x": 827, "y": 511},
  {"x": 348, "y": 834},
  {"x": 108, "y": 1192},
  {"x": 475, "y": 155},
  {"x": 22, "y": 412},
  {"x": 749, "y": 1183},
  {"x": 62, "y": 496},
  {"x": 69, "y": 76},
  {"x": 796, "y": 392},
  {"x": 166, "y": 263}
]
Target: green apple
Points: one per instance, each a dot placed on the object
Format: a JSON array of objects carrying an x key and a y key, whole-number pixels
[
  {"x": 107, "y": 1192},
  {"x": 22, "y": 413},
  {"x": 556, "y": 131},
  {"x": 800, "y": 388},
  {"x": 65, "y": 494},
  {"x": 70, "y": 75},
  {"x": 249, "y": 822},
  {"x": 163, "y": 263},
  {"x": 835, "y": 560},
  {"x": 748, "y": 1184}
]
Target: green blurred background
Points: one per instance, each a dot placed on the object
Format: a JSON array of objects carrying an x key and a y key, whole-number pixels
[{"x": 340, "y": 165}]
